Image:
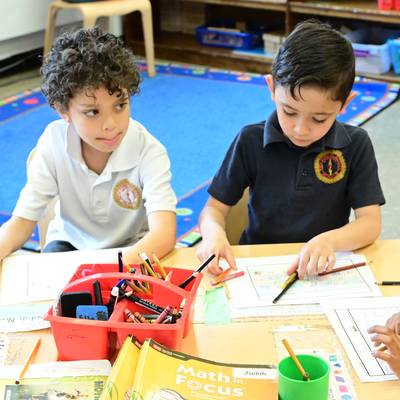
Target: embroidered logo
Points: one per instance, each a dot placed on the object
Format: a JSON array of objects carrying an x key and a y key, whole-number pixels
[
  {"x": 330, "y": 166},
  {"x": 127, "y": 195}
]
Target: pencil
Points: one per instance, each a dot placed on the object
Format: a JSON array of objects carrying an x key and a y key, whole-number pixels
[
  {"x": 195, "y": 273},
  {"x": 28, "y": 360},
  {"x": 344, "y": 268},
  {"x": 159, "y": 266},
  {"x": 221, "y": 276},
  {"x": 388, "y": 283},
  {"x": 381, "y": 348},
  {"x": 304, "y": 374},
  {"x": 288, "y": 283},
  {"x": 147, "y": 264}
]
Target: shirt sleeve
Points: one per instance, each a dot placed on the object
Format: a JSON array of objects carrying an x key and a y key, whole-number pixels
[
  {"x": 41, "y": 185},
  {"x": 233, "y": 177},
  {"x": 364, "y": 185},
  {"x": 155, "y": 176}
]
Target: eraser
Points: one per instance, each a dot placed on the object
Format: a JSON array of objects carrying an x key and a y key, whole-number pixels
[{"x": 92, "y": 312}]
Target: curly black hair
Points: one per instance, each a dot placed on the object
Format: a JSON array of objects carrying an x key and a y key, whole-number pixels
[
  {"x": 87, "y": 59},
  {"x": 315, "y": 54}
]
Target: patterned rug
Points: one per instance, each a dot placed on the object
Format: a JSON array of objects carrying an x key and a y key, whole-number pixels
[{"x": 194, "y": 111}]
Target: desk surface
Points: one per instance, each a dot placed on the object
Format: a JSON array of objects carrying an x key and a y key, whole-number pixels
[{"x": 253, "y": 342}]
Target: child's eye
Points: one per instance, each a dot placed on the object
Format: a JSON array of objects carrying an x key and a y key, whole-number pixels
[
  {"x": 288, "y": 113},
  {"x": 319, "y": 121},
  {"x": 91, "y": 113},
  {"x": 121, "y": 106}
]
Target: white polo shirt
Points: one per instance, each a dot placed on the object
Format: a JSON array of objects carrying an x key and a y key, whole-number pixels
[{"x": 97, "y": 211}]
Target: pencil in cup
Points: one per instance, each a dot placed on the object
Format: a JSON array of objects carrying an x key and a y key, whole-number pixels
[{"x": 304, "y": 374}]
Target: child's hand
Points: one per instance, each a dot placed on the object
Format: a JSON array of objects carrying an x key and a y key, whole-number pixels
[
  {"x": 217, "y": 244},
  {"x": 386, "y": 336},
  {"x": 394, "y": 323},
  {"x": 316, "y": 256}
]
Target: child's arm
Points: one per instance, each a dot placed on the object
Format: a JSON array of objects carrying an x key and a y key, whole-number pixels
[
  {"x": 212, "y": 226},
  {"x": 318, "y": 254},
  {"x": 160, "y": 239},
  {"x": 386, "y": 336},
  {"x": 14, "y": 233}
]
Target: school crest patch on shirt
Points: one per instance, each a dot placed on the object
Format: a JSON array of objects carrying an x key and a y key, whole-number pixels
[
  {"x": 330, "y": 166},
  {"x": 127, "y": 195}
]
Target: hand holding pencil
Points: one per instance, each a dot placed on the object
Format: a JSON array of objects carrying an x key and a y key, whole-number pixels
[
  {"x": 217, "y": 244},
  {"x": 316, "y": 256}
]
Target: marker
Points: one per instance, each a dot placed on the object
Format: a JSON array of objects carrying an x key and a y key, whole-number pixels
[
  {"x": 388, "y": 283},
  {"x": 195, "y": 273},
  {"x": 120, "y": 262},
  {"x": 97, "y": 293},
  {"x": 28, "y": 360}
]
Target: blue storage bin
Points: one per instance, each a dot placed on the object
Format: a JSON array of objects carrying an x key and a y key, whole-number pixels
[
  {"x": 394, "y": 46},
  {"x": 218, "y": 37}
]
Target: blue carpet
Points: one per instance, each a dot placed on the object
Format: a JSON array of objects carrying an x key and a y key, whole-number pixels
[{"x": 195, "y": 112}]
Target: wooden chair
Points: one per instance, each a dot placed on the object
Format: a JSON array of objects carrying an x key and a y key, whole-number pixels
[
  {"x": 237, "y": 219},
  {"x": 106, "y": 8},
  {"x": 50, "y": 210}
]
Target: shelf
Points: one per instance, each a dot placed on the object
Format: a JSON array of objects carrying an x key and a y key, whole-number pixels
[
  {"x": 184, "y": 48},
  {"x": 277, "y": 5},
  {"x": 360, "y": 10}
]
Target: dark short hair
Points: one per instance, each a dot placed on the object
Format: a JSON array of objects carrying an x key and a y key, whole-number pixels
[
  {"x": 87, "y": 59},
  {"x": 315, "y": 54}
]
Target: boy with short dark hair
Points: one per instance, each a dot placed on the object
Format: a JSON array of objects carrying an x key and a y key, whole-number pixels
[
  {"x": 111, "y": 176},
  {"x": 305, "y": 170}
]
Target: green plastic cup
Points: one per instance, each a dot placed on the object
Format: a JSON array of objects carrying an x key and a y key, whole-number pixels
[{"x": 291, "y": 385}]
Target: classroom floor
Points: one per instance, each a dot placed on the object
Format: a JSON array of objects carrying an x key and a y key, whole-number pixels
[{"x": 383, "y": 130}]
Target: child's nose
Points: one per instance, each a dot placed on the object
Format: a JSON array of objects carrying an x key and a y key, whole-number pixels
[
  {"x": 301, "y": 127},
  {"x": 109, "y": 123}
]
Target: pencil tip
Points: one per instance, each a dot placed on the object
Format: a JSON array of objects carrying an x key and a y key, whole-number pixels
[{"x": 17, "y": 382}]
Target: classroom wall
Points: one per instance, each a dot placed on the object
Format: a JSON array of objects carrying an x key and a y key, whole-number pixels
[{"x": 22, "y": 24}]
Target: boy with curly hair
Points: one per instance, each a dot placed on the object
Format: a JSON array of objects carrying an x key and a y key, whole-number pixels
[
  {"x": 305, "y": 170},
  {"x": 112, "y": 177}
]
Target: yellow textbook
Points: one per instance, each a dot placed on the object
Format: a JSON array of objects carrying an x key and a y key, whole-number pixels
[{"x": 159, "y": 373}]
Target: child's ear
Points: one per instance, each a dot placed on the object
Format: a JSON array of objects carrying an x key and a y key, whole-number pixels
[
  {"x": 63, "y": 113},
  {"x": 350, "y": 97},
  {"x": 271, "y": 85}
]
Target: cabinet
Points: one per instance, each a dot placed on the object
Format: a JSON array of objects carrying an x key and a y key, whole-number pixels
[{"x": 282, "y": 14}]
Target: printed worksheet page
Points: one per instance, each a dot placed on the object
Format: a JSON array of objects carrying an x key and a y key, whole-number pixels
[
  {"x": 264, "y": 277},
  {"x": 351, "y": 319}
]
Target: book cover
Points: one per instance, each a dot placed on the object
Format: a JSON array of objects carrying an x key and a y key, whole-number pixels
[{"x": 165, "y": 374}]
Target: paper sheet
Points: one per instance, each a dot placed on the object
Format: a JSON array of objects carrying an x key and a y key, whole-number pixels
[
  {"x": 23, "y": 317},
  {"x": 264, "y": 277},
  {"x": 351, "y": 321},
  {"x": 37, "y": 277}
]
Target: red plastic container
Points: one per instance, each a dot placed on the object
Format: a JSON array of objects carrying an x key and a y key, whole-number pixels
[
  {"x": 81, "y": 339},
  {"x": 386, "y": 4}
]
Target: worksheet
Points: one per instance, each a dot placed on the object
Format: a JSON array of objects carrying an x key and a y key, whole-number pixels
[
  {"x": 351, "y": 319},
  {"x": 37, "y": 277},
  {"x": 264, "y": 277}
]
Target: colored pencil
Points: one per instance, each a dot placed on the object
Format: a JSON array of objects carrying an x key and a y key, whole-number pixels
[
  {"x": 344, "y": 268},
  {"x": 28, "y": 360},
  {"x": 195, "y": 273},
  {"x": 304, "y": 374}
]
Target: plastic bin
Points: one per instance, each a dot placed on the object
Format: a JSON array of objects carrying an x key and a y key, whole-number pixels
[
  {"x": 272, "y": 41},
  {"x": 81, "y": 339},
  {"x": 371, "y": 49},
  {"x": 394, "y": 46},
  {"x": 227, "y": 37}
]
